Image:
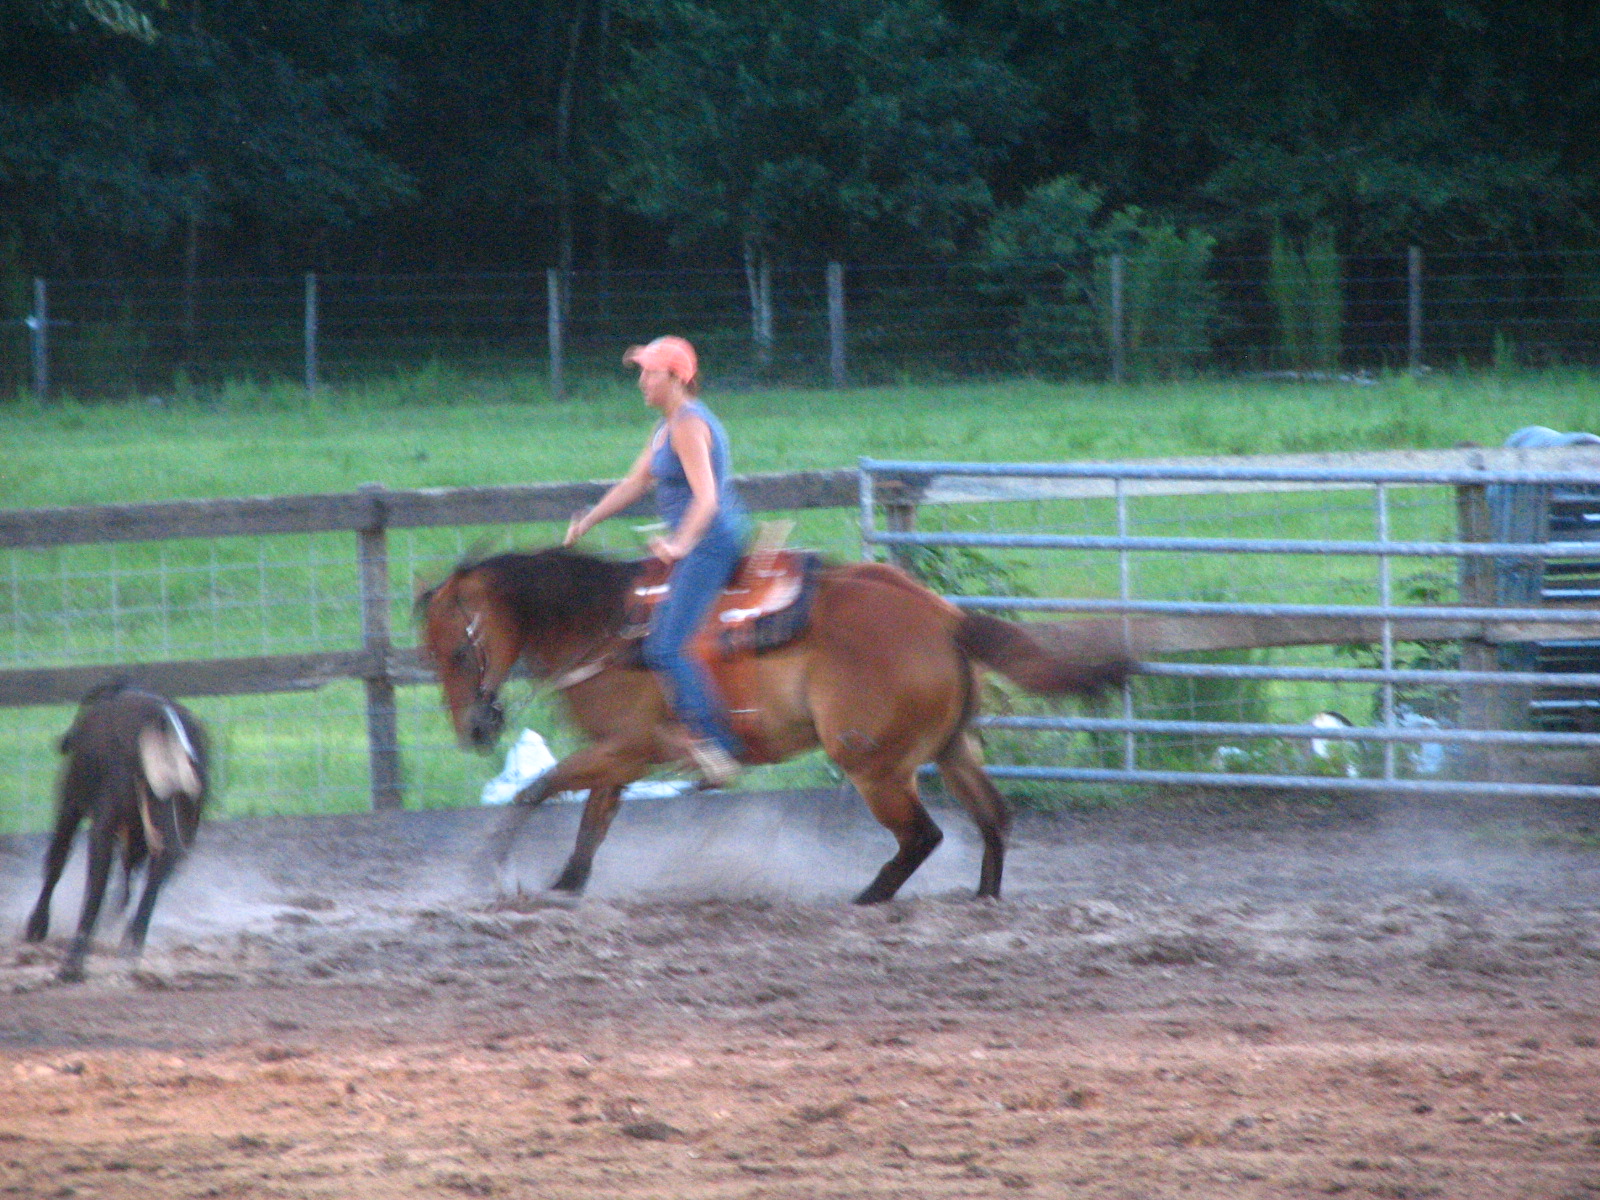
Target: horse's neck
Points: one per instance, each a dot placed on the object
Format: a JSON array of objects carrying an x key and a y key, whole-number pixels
[{"x": 554, "y": 652}]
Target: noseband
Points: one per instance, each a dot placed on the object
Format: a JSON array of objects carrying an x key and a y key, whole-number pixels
[
  {"x": 484, "y": 698},
  {"x": 480, "y": 656}
]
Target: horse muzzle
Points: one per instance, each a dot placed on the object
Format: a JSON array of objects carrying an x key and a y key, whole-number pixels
[{"x": 485, "y": 721}]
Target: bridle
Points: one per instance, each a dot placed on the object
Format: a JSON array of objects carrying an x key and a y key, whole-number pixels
[
  {"x": 487, "y": 715},
  {"x": 586, "y": 664}
]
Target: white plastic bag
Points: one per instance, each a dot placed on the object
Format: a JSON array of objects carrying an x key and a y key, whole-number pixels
[{"x": 527, "y": 759}]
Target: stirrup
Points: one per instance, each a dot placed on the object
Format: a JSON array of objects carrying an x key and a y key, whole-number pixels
[{"x": 715, "y": 765}]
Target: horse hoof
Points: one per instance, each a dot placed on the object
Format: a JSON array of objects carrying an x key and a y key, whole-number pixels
[
  {"x": 526, "y": 902},
  {"x": 572, "y": 880},
  {"x": 71, "y": 972},
  {"x": 872, "y": 896}
]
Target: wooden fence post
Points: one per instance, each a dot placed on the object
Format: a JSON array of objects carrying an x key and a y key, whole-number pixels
[
  {"x": 1119, "y": 364},
  {"x": 1518, "y": 512},
  {"x": 383, "y": 736},
  {"x": 1414, "y": 309},
  {"x": 311, "y": 333},
  {"x": 39, "y": 340},
  {"x": 1479, "y": 702},
  {"x": 552, "y": 289},
  {"x": 900, "y": 500},
  {"x": 836, "y": 323}
]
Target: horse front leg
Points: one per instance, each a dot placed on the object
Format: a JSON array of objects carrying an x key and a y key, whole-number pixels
[
  {"x": 603, "y": 770},
  {"x": 598, "y": 811}
]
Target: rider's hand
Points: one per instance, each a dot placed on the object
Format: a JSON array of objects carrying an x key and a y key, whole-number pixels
[
  {"x": 666, "y": 549},
  {"x": 574, "y": 529}
]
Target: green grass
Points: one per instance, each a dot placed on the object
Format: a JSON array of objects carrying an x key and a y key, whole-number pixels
[
  {"x": 454, "y": 433},
  {"x": 307, "y": 752}
]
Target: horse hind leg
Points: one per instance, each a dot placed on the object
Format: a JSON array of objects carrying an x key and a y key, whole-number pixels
[
  {"x": 157, "y": 870},
  {"x": 899, "y": 810},
  {"x": 961, "y": 767}
]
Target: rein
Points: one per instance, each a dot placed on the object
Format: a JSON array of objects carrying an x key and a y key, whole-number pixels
[{"x": 579, "y": 668}]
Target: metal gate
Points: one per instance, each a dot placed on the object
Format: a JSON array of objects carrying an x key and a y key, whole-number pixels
[{"x": 1345, "y": 622}]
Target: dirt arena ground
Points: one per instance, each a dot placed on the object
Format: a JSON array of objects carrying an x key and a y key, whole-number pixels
[{"x": 1287, "y": 999}]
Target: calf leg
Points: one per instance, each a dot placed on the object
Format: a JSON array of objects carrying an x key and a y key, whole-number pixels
[
  {"x": 160, "y": 866},
  {"x": 55, "y": 860},
  {"x": 102, "y": 838}
]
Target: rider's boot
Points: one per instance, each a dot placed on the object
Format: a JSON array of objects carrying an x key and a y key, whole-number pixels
[{"x": 715, "y": 765}]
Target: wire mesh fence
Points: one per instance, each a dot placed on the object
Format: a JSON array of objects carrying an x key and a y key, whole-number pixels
[{"x": 920, "y": 321}]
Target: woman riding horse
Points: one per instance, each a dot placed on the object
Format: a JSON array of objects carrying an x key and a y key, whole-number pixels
[
  {"x": 882, "y": 676},
  {"x": 687, "y": 461}
]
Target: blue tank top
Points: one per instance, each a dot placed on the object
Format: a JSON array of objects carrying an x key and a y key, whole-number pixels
[{"x": 673, "y": 492}]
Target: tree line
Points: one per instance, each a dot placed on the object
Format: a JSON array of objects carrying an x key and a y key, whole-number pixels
[{"x": 168, "y": 137}]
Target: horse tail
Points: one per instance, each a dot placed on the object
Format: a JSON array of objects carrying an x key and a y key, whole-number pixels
[{"x": 1082, "y": 661}]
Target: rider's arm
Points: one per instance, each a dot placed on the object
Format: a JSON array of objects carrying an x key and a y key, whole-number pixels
[
  {"x": 691, "y": 438},
  {"x": 632, "y": 486}
]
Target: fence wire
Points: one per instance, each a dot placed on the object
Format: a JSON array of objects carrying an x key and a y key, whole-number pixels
[{"x": 922, "y": 321}]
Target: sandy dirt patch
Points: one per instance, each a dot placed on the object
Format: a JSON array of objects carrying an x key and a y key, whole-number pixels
[{"x": 1279, "y": 999}]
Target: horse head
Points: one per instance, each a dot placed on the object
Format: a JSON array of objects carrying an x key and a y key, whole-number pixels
[
  {"x": 552, "y": 606},
  {"x": 472, "y": 642}
]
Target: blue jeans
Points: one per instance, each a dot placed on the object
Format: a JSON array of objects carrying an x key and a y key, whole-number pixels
[{"x": 696, "y": 581}]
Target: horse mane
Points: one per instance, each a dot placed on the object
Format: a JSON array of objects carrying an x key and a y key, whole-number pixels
[{"x": 557, "y": 587}]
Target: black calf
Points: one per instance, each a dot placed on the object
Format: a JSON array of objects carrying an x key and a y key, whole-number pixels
[{"x": 136, "y": 770}]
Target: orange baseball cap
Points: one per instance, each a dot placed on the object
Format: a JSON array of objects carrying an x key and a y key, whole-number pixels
[{"x": 671, "y": 354}]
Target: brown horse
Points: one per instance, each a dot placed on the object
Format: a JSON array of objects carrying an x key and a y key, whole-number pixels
[{"x": 883, "y": 678}]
